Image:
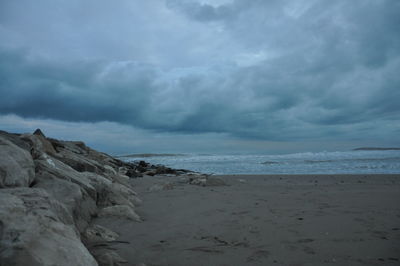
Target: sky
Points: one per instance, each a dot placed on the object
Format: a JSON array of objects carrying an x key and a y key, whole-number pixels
[{"x": 133, "y": 76}]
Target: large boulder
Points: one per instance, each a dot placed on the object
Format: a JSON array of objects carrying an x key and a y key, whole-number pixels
[
  {"x": 79, "y": 162},
  {"x": 105, "y": 256},
  {"x": 112, "y": 193},
  {"x": 16, "y": 165},
  {"x": 39, "y": 144},
  {"x": 97, "y": 233},
  {"x": 37, "y": 230},
  {"x": 78, "y": 203},
  {"x": 16, "y": 139},
  {"x": 51, "y": 167}
]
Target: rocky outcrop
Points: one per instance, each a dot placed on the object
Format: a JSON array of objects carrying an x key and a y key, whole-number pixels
[
  {"x": 141, "y": 168},
  {"x": 38, "y": 230},
  {"x": 50, "y": 192},
  {"x": 16, "y": 165}
]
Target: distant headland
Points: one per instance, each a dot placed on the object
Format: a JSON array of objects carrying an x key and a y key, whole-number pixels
[{"x": 376, "y": 149}]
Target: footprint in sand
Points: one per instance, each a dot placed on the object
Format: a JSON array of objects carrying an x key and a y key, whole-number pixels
[{"x": 309, "y": 250}]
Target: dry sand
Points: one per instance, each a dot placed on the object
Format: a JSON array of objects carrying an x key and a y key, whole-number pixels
[{"x": 266, "y": 220}]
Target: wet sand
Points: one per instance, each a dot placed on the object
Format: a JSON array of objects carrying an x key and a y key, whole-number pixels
[{"x": 265, "y": 220}]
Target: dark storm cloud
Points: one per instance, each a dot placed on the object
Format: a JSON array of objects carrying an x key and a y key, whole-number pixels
[
  {"x": 253, "y": 69},
  {"x": 80, "y": 91}
]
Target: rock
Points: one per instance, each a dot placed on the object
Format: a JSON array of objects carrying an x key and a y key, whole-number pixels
[
  {"x": 37, "y": 230},
  {"x": 79, "y": 164},
  {"x": 206, "y": 181},
  {"x": 53, "y": 168},
  {"x": 141, "y": 169},
  {"x": 79, "y": 204},
  {"x": 119, "y": 190},
  {"x": 107, "y": 257},
  {"x": 109, "y": 170},
  {"x": 97, "y": 233},
  {"x": 122, "y": 170},
  {"x": 99, "y": 182},
  {"x": 150, "y": 173},
  {"x": 111, "y": 193},
  {"x": 121, "y": 179},
  {"x": 39, "y": 144},
  {"x": 39, "y": 132},
  {"x": 81, "y": 158},
  {"x": 16, "y": 165},
  {"x": 120, "y": 211},
  {"x": 52, "y": 190},
  {"x": 16, "y": 139},
  {"x": 198, "y": 181},
  {"x": 143, "y": 164},
  {"x": 76, "y": 147},
  {"x": 133, "y": 173},
  {"x": 162, "y": 170}
]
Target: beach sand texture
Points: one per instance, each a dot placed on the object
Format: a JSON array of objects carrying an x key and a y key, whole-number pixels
[{"x": 265, "y": 220}]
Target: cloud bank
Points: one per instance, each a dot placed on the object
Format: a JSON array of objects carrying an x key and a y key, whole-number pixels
[{"x": 266, "y": 70}]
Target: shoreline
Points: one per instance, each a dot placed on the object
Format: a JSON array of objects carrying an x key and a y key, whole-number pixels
[{"x": 305, "y": 175}]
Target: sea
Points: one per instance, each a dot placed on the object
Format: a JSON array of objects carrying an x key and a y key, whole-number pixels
[{"x": 339, "y": 162}]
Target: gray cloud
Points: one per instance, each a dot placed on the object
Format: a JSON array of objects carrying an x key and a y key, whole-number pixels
[{"x": 270, "y": 70}]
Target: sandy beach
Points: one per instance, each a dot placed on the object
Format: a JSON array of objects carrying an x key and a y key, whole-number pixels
[{"x": 264, "y": 220}]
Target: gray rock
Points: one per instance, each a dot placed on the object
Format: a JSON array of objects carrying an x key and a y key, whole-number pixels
[
  {"x": 16, "y": 139},
  {"x": 121, "y": 179},
  {"x": 79, "y": 204},
  {"x": 119, "y": 190},
  {"x": 16, "y": 165},
  {"x": 107, "y": 257},
  {"x": 80, "y": 157},
  {"x": 53, "y": 168},
  {"x": 133, "y": 173},
  {"x": 162, "y": 170},
  {"x": 42, "y": 224},
  {"x": 97, "y": 233},
  {"x": 109, "y": 170},
  {"x": 106, "y": 196},
  {"x": 39, "y": 144},
  {"x": 206, "y": 181},
  {"x": 37, "y": 230},
  {"x": 150, "y": 173},
  {"x": 79, "y": 163}
]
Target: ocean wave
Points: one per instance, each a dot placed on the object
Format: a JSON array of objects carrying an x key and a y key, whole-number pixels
[
  {"x": 271, "y": 162},
  {"x": 354, "y": 159},
  {"x": 147, "y": 155}
]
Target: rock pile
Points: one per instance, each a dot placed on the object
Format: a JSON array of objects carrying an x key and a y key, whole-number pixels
[
  {"x": 141, "y": 168},
  {"x": 50, "y": 190}
]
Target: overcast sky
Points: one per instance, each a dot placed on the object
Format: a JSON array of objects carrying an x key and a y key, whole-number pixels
[{"x": 212, "y": 75}]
